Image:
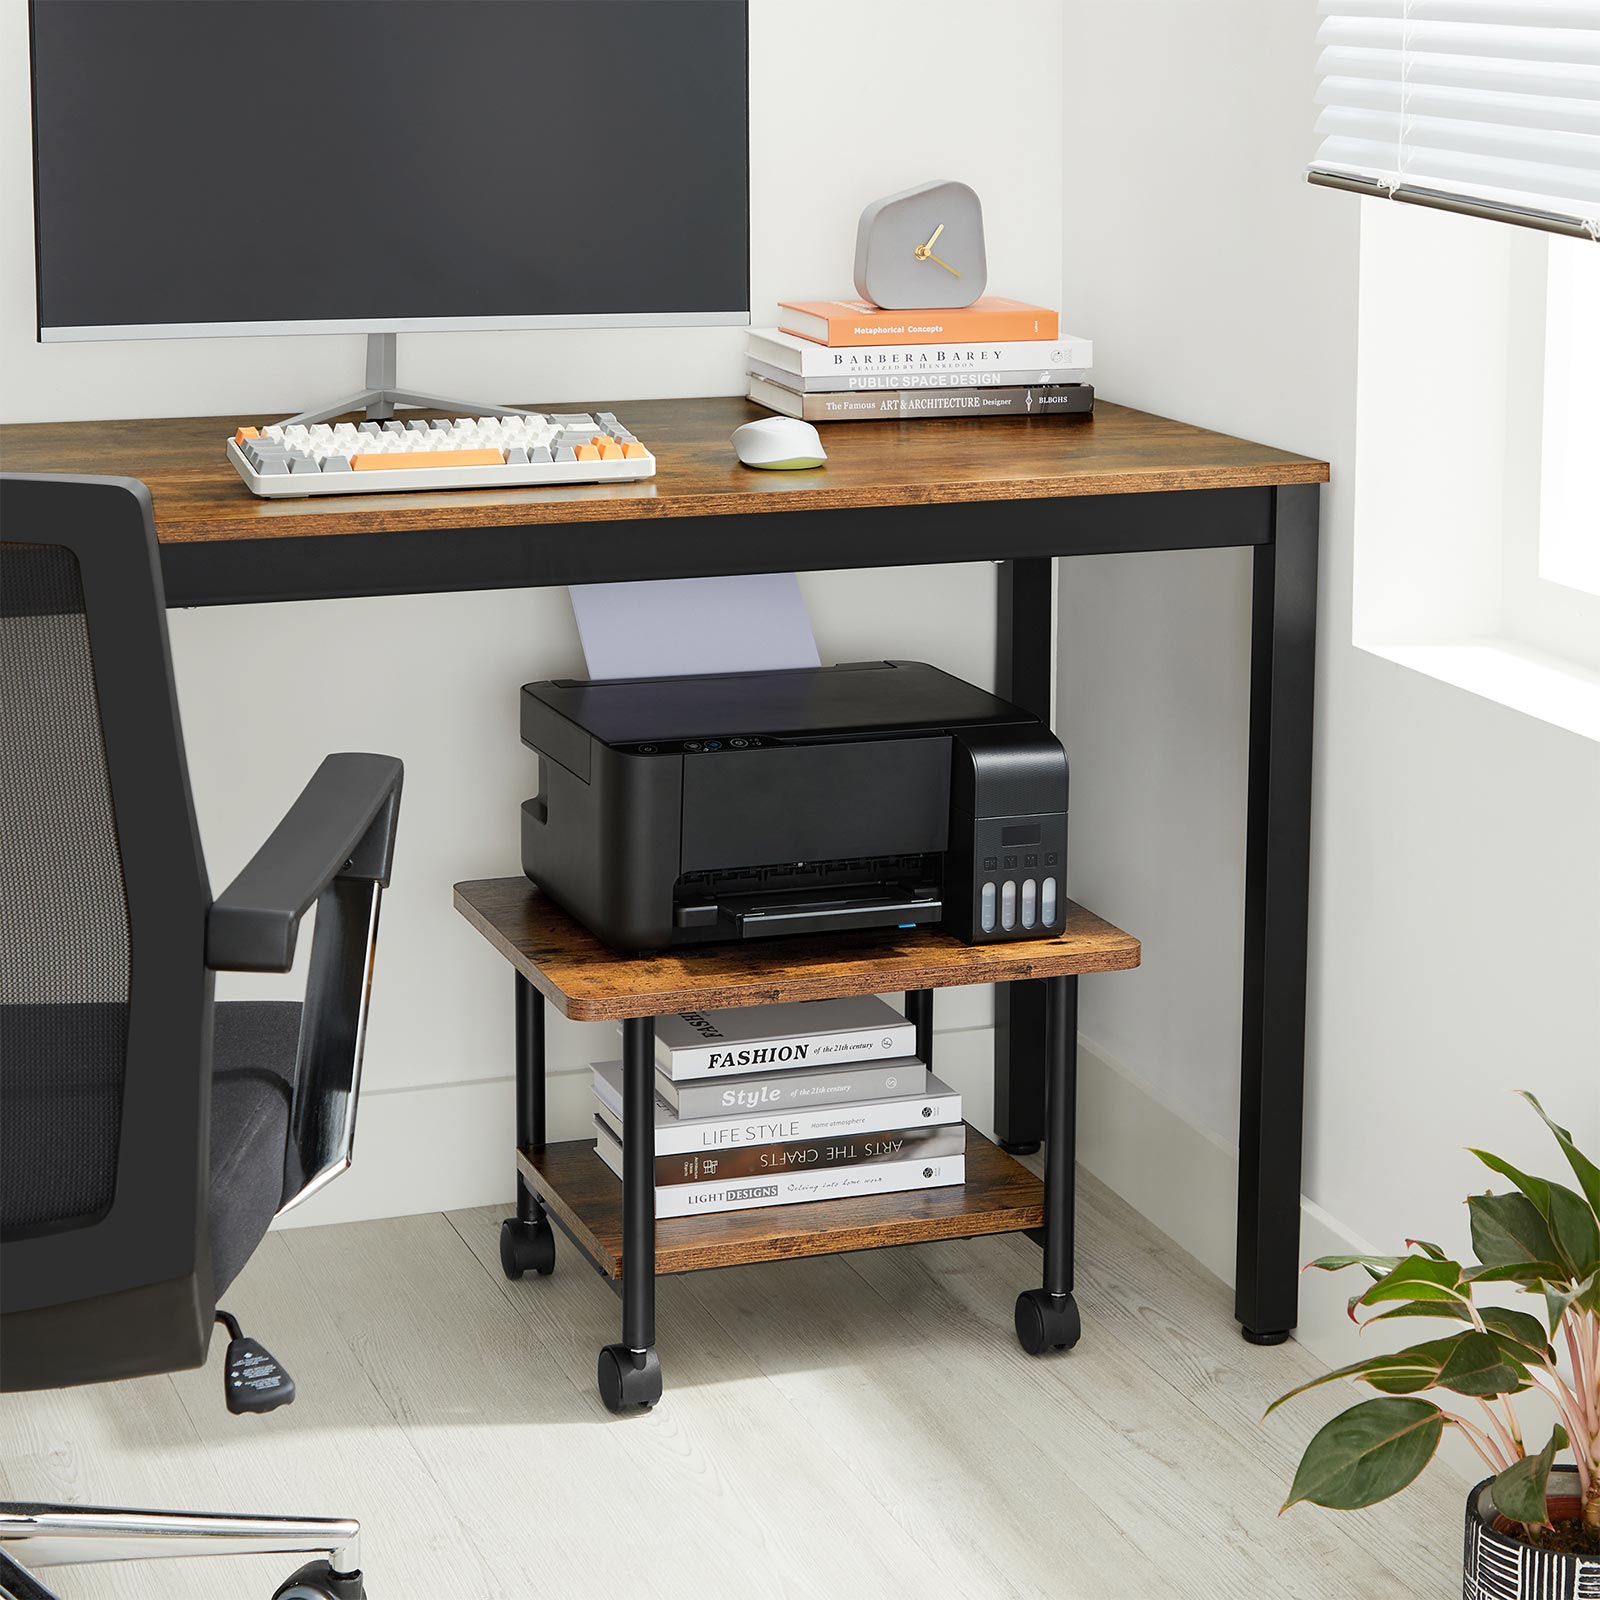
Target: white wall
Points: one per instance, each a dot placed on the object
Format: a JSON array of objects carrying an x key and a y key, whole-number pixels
[
  {"x": 1455, "y": 934},
  {"x": 266, "y": 690}
]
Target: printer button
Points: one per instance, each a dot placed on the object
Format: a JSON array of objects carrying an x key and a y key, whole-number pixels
[
  {"x": 987, "y": 902},
  {"x": 1030, "y": 902},
  {"x": 1008, "y": 904},
  {"x": 693, "y": 744},
  {"x": 1047, "y": 903},
  {"x": 990, "y": 863},
  {"x": 1050, "y": 858}
]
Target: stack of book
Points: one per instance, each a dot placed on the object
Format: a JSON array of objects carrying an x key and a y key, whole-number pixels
[
  {"x": 846, "y": 360},
  {"x": 775, "y": 1105}
]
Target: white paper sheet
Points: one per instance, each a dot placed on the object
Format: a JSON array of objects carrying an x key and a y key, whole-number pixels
[{"x": 673, "y": 627}]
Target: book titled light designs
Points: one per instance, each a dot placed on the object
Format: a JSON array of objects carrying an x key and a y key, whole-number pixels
[{"x": 728, "y": 1137}]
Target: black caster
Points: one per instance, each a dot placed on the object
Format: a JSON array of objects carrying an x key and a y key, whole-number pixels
[
  {"x": 1046, "y": 1321},
  {"x": 318, "y": 1581},
  {"x": 527, "y": 1247},
  {"x": 628, "y": 1378}
]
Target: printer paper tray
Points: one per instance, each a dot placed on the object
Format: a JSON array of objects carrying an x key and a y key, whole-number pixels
[{"x": 766, "y": 916}]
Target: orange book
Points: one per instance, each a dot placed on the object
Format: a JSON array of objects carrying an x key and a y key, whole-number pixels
[{"x": 847, "y": 322}]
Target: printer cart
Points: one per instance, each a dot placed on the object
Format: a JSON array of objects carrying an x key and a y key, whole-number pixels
[{"x": 613, "y": 1224}]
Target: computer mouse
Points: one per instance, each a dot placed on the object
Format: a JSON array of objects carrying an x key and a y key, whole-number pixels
[{"x": 779, "y": 443}]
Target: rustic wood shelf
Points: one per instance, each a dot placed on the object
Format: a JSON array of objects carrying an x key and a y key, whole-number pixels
[
  {"x": 588, "y": 982},
  {"x": 585, "y": 1196}
]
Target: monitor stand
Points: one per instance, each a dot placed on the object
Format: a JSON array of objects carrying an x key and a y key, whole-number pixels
[{"x": 381, "y": 395}]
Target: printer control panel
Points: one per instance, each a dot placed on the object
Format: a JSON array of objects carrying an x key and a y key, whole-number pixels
[{"x": 697, "y": 747}]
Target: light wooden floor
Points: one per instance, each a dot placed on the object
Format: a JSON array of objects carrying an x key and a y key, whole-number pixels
[{"x": 850, "y": 1427}]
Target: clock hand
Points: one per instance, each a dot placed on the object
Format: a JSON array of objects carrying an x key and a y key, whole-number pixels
[
  {"x": 945, "y": 264},
  {"x": 934, "y": 240}
]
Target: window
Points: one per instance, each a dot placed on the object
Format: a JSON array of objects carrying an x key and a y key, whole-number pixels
[{"x": 1569, "y": 489}]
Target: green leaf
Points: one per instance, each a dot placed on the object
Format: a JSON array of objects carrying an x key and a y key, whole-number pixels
[
  {"x": 1367, "y": 1453},
  {"x": 1376, "y": 1266},
  {"x": 1508, "y": 1228},
  {"x": 1443, "y": 1310},
  {"x": 1473, "y": 1363},
  {"x": 1402, "y": 1372},
  {"x": 1427, "y": 1249},
  {"x": 1530, "y": 1274},
  {"x": 1519, "y": 1491},
  {"x": 1559, "y": 1301},
  {"x": 1586, "y": 1172},
  {"x": 1418, "y": 1278},
  {"x": 1521, "y": 1336},
  {"x": 1573, "y": 1226}
]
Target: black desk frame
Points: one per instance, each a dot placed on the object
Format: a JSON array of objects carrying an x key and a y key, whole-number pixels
[{"x": 1279, "y": 524}]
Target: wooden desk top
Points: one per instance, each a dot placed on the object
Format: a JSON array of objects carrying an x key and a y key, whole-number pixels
[
  {"x": 199, "y": 497},
  {"x": 590, "y": 983}
]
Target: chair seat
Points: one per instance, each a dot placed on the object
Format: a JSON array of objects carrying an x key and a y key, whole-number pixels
[{"x": 253, "y": 1054}]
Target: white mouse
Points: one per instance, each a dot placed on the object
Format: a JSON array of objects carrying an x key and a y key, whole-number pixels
[{"x": 779, "y": 443}]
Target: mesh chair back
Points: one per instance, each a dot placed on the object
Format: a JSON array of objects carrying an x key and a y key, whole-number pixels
[{"x": 64, "y": 980}]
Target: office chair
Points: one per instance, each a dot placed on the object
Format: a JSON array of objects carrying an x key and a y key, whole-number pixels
[{"x": 148, "y": 1136}]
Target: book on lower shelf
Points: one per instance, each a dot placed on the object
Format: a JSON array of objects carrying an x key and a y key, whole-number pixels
[{"x": 880, "y": 404}]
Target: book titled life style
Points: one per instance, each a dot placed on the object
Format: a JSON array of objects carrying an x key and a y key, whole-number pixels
[
  {"x": 805, "y": 358},
  {"x": 792, "y": 1188},
  {"x": 849, "y": 1082},
  {"x": 838, "y": 322},
  {"x": 738, "y": 1128},
  {"x": 795, "y": 1033},
  {"x": 877, "y": 404}
]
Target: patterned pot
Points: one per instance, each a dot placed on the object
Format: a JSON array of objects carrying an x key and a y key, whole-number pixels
[{"x": 1499, "y": 1566}]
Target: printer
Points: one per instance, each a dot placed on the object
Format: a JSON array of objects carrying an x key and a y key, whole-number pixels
[{"x": 877, "y": 794}]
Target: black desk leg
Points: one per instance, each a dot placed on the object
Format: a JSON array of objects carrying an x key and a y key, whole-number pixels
[
  {"x": 919, "y": 1012},
  {"x": 527, "y": 1243},
  {"x": 1047, "y": 1318},
  {"x": 1283, "y": 637},
  {"x": 630, "y": 1373},
  {"x": 1025, "y": 670}
]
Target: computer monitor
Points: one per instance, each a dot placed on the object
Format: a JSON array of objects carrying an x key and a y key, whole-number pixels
[{"x": 388, "y": 166}]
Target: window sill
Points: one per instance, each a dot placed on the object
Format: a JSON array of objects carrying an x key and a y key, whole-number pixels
[{"x": 1548, "y": 687}]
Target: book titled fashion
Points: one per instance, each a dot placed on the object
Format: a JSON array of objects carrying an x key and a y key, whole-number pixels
[
  {"x": 860, "y": 322},
  {"x": 792, "y": 1188},
  {"x": 795, "y": 1033},
  {"x": 973, "y": 401},
  {"x": 870, "y": 1080},
  {"x": 800, "y": 1155},
  {"x": 678, "y": 1136},
  {"x": 854, "y": 378},
  {"x": 805, "y": 358}
]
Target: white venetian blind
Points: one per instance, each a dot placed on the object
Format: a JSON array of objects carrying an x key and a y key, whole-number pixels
[{"x": 1485, "y": 106}]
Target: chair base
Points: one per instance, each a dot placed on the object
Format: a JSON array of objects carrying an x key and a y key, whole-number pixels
[{"x": 35, "y": 1535}]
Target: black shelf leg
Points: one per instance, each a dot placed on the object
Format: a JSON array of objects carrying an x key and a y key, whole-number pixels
[
  {"x": 919, "y": 1012},
  {"x": 630, "y": 1373},
  {"x": 1025, "y": 669},
  {"x": 1047, "y": 1317},
  {"x": 527, "y": 1242},
  {"x": 1283, "y": 638}
]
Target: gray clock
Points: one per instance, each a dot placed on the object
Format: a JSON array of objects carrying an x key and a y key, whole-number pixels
[{"x": 922, "y": 248}]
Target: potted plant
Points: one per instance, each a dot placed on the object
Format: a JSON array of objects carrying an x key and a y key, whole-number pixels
[{"x": 1533, "y": 1527}]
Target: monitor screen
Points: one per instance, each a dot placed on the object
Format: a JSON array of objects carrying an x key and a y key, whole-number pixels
[{"x": 287, "y": 166}]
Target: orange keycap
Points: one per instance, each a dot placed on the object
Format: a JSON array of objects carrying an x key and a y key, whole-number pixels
[
  {"x": 586, "y": 452},
  {"x": 428, "y": 458},
  {"x": 611, "y": 451},
  {"x": 634, "y": 451},
  {"x": 241, "y": 434},
  {"x": 601, "y": 440}
]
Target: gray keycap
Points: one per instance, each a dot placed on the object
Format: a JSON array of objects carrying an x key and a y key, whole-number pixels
[
  {"x": 539, "y": 455},
  {"x": 337, "y": 464},
  {"x": 271, "y": 464},
  {"x": 371, "y": 427},
  {"x": 516, "y": 456},
  {"x": 301, "y": 464},
  {"x": 606, "y": 416},
  {"x": 571, "y": 416},
  {"x": 439, "y": 425},
  {"x": 394, "y": 425},
  {"x": 622, "y": 436},
  {"x": 566, "y": 453},
  {"x": 416, "y": 425}
]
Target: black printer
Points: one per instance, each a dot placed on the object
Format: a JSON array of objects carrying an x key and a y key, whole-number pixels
[{"x": 878, "y": 794}]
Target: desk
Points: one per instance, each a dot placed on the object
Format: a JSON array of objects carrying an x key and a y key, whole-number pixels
[{"x": 1018, "y": 491}]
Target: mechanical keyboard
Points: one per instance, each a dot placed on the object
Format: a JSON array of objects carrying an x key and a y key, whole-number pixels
[{"x": 527, "y": 448}]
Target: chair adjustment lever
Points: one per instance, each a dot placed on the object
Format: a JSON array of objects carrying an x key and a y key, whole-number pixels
[{"x": 252, "y": 1378}]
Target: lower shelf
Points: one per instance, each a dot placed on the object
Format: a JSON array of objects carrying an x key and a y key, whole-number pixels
[{"x": 580, "y": 1191}]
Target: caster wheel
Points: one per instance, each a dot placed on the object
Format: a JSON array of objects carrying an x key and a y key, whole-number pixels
[
  {"x": 1046, "y": 1322},
  {"x": 628, "y": 1380},
  {"x": 527, "y": 1247},
  {"x": 318, "y": 1581}
]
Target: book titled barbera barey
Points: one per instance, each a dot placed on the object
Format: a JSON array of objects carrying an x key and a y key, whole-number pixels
[{"x": 783, "y": 1104}]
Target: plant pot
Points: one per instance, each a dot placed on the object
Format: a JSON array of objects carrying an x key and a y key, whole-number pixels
[{"x": 1500, "y": 1566}]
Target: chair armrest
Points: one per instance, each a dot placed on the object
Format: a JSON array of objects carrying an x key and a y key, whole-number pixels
[{"x": 341, "y": 826}]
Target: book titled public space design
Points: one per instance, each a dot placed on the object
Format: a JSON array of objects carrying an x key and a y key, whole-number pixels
[
  {"x": 867, "y": 1080},
  {"x": 971, "y": 401},
  {"x": 796, "y": 1033},
  {"x": 804, "y": 358},
  {"x": 853, "y": 1118},
  {"x": 792, "y": 1188},
  {"x": 841, "y": 322}
]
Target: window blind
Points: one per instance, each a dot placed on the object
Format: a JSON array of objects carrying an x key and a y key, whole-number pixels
[{"x": 1491, "y": 107}]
